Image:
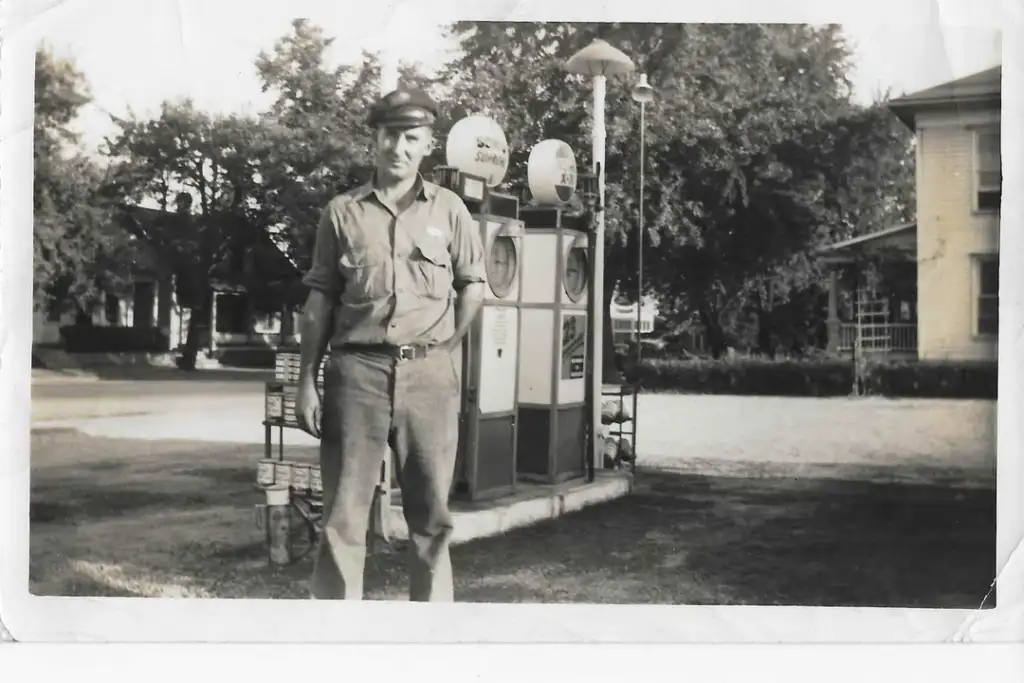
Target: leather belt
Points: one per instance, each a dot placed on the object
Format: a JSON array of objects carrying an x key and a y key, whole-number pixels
[{"x": 405, "y": 352}]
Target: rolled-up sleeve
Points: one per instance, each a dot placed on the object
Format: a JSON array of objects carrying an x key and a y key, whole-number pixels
[
  {"x": 323, "y": 274},
  {"x": 466, "y": 249}
]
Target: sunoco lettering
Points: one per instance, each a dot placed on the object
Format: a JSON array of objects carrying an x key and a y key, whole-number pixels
[{"x": 490, "y": 157}]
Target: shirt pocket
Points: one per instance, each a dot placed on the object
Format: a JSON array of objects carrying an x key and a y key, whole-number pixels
[
  {"x": 431, "y": 268},
  {"x": 365, "y": 272}
]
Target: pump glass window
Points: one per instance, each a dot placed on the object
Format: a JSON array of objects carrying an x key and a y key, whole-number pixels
[
  {"x": 576, "y": 274},
  {"x": 502, "y": 262}
]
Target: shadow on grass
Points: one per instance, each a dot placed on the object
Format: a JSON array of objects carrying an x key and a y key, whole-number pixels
[
  {"x": 678, "y": 539},
  {"x": 687, "y": 539},
  {"x": 106, "y": 490}
]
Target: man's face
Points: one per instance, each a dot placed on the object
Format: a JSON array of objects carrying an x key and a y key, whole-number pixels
[{"x": 400, "y": 151}]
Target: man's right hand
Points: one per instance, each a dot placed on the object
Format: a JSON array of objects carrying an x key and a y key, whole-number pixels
[{"x": 307, "y": 408}]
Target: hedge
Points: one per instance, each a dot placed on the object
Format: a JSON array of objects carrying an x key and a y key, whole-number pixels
[
  {"x": 935, "y": 379},
  {"x": 819, "y": 377},
  {"x": 83, "y": 339}
]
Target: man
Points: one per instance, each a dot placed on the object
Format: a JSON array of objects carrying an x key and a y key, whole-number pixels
[{"x": 396, "y": 279}]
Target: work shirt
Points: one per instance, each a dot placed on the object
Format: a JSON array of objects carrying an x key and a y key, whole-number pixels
[{"x": 393, "y": 275}]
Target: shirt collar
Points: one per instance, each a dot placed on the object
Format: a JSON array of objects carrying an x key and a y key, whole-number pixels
[{"x": 425, "y": 190}]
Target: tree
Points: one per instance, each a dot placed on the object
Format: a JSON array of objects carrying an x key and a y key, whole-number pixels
[
  {"x": 74, "y": 249},
  {"x": 201, "y": 171},
  {"x": 753, "y": 143},
  {"x": 320, "y": 143}
]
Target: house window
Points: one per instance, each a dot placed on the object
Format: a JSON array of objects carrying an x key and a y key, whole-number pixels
[
  {"x": 233, "y": 314},
  {"x": 988, "y": 178},
  {"x": 112, "y": 310},
  {"x": 988, "y": 296}
]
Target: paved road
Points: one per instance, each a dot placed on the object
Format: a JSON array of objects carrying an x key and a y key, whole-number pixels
[
  {"x": 57, "y": 399},
  {"x": 711, "y": 434}
]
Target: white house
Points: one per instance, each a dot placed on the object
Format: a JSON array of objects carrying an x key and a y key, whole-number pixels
[
  {"x": 150, "y": 300},
  {"x": 953, "y": 247}
]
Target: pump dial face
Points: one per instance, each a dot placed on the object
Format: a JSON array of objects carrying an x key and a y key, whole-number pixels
[
  {"x": 576, "y": 274},
  {"x": 502, "y": 263}
]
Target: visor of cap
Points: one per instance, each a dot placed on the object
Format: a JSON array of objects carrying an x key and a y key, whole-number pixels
[{"x": 409, "y": 116}]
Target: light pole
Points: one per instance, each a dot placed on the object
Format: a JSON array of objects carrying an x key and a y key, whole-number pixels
[
  {"x": 642, "y": 93},
  {"x": 599, "y": 60}
]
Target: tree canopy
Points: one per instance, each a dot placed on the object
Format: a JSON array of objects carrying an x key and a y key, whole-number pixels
[
  {"x": 756, "y": 152},
  {"x": 756, "y": 156},
  {"x": 73, "y": 248}
]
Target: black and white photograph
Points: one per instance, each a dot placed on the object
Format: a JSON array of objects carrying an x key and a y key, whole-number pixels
[{"x": 382, "y": 304}]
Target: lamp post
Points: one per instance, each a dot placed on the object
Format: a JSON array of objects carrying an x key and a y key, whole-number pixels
[
  {"x": 642, "y": 93},
  {"x": 599, "y": 60}
]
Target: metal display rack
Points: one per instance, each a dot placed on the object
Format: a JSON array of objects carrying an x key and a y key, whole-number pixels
[
  {"x": 627, "y": 426},
  {"x": 303, "y": 480}
]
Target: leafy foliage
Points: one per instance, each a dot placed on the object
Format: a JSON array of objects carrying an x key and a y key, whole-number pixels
[
  {"x": 74, "y": 251},
  {"x": 756, "y": 153},
  {"x": 820, "y": 377},
  {"x": 201, "y": 171},
  {"x": 318, "y": 144},
  {"x": 318, "y": 141},
  {"x": 756, "y": 156}
]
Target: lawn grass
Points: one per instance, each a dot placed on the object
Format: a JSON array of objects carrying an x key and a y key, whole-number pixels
[{"x": 121, "y": 518}]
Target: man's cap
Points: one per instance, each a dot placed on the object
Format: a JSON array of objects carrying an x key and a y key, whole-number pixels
[{"x": 404, "y": 109}]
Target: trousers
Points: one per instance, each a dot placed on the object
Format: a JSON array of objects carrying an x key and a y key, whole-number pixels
[{"x": 371, "y": 402}]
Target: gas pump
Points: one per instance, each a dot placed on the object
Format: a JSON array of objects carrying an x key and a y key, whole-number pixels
[
  {"x": 552, "y": 445},
  {"x": 477, "y": 154}
]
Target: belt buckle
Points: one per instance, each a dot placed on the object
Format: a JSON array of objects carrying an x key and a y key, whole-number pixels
[{"x": 406, "y": 352}]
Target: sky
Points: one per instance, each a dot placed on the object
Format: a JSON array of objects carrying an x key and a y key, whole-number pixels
[{"x": 138, "y": 53}]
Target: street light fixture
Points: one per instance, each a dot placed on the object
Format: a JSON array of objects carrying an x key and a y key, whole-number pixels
[{"x": 599, "y": 60}]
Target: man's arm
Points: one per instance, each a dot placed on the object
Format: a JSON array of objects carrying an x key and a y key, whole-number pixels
[
  {"x": 467, "y": 252},
  {"x": 467, "y": 304},
  {"x": 316, "y": 326},
  {"x": 325, "y": 283}
]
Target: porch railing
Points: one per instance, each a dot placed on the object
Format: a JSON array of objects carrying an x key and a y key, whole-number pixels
[{"x": 880, "y": 337}]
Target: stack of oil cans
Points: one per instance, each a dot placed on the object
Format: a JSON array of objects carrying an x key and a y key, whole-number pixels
[
  {"x": 280, "y": 394},
  {"x": 302, "y": 478}
]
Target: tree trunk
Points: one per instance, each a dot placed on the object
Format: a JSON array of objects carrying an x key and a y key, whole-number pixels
[
  {"x": 765, "y": 343},
  {"x": 190, "y": 353},
  {"x": 714, "y": 334},
  {"x": 193, "y": 339}
]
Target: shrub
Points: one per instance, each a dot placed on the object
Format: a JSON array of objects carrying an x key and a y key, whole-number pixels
[
  {"x": 247, "y": 358},
  {"x": 934, "y": 379},
  {"x": 83, "y": 339},
  {"x": 747, "y": 376},
  {"x": 817, "y": 377}
]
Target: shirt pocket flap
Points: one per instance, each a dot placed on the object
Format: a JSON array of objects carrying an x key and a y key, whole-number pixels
[
  {"x": 361, "y": 258},
  {"x": 434, "y": 251}
]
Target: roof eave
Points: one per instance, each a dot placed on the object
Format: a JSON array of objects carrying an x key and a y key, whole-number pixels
[{"x": 907, "y": 110}]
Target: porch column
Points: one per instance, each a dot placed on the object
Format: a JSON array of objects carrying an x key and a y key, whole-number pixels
[{"x": 832, "y": 323}]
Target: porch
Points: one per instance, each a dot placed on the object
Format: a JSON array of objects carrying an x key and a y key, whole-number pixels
[{"x": 872, "y": 302}]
